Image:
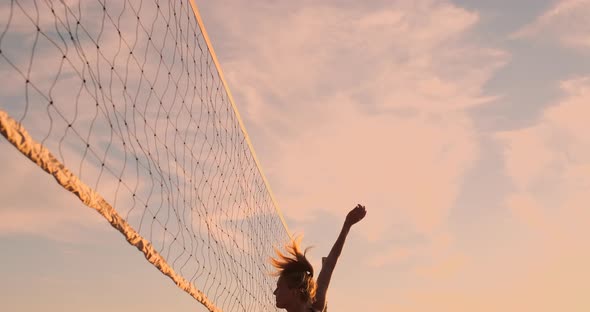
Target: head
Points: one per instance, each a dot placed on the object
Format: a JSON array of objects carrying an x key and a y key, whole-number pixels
[{"x": 295, "y": 285}]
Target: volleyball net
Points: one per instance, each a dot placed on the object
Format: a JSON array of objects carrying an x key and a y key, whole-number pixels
[{"x": 125, "y": 104}]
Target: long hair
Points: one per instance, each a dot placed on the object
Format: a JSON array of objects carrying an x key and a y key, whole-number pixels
[{"x": 295, "y": 269}]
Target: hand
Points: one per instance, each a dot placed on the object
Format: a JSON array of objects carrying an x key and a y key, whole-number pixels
[{"x": 355, "y": 215}]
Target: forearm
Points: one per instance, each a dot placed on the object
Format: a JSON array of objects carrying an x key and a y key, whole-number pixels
[
  {"x": 354, "y": 216},
  {"x": 328, "y": 266},
  {"x": 338, "y": 245}
]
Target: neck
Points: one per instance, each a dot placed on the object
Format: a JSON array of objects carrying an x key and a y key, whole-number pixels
[{"x": 297, "y": 307}]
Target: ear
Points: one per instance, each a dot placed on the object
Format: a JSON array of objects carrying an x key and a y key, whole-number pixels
[{"x": 295, "y": 292}]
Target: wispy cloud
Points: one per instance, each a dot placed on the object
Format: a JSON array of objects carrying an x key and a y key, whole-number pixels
[
  {"x": 567, "y": 22},
  {"x": 33, "y": 204},
  {"x": 393, "y": 256},
  {"x": 349, "y": 105},
  {"x": 548, "y": 161},
  {"x": 549, "y": 166}
]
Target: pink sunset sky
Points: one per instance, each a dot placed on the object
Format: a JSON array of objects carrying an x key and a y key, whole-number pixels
[{"x": 462, "y": 126}]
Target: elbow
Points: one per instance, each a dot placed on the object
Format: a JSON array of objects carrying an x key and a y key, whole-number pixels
[{"x": 330, "y": 261}]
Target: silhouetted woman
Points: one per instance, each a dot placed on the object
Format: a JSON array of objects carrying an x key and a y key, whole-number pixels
[{"x": 296, "y": 289}]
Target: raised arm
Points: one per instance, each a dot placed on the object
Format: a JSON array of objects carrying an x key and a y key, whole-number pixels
[{"x": 329, "y": 262}]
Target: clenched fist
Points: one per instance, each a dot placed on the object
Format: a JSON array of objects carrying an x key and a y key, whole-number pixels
[{"x": 355, "y": 215}]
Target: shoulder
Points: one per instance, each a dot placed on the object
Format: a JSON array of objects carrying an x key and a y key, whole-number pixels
[
  {"x": 318, "y": 309},
  {"x": 313, "y": 309}
]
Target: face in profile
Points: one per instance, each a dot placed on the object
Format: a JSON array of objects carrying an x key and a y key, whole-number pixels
[{"x": 283, "y": 294}]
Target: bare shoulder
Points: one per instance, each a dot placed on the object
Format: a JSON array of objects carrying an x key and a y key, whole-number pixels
[{"x": 312, "y": 309}]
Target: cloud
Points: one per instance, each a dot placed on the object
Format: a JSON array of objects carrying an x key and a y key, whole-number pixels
[
  {"x": 549, "y": 165},
  {"x": 547, "y": 162},
  {"x": 350, "y": 105},
  {"x": 144, "y": 134},
  {"x": 565, "y": 22},
  {"x": 33, "y": 204},
  {"x": 395, "y": 255}
]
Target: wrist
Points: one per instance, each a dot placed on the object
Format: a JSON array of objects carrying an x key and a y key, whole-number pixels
[{"x": 346, "y": 226}]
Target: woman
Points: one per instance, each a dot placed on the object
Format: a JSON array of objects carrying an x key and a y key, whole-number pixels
[{"x": 296, "y": 290}]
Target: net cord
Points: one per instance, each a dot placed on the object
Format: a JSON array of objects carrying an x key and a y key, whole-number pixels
[
  {"x": 236, "y": 112},
  {"x": 18, "y": 136}
]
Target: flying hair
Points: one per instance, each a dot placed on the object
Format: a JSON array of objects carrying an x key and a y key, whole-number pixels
[{"x": 295, "y": 269}]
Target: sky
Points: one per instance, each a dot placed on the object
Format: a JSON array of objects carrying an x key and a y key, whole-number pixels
[{"x": 460, "y": 125}]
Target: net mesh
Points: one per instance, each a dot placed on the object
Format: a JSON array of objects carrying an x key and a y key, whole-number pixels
[{"x": 128, "y": 96}]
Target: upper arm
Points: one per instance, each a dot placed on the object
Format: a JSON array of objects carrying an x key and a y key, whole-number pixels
[
  {"x": 323, "y": 282},
  {"x": 316, "y": 309}
]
